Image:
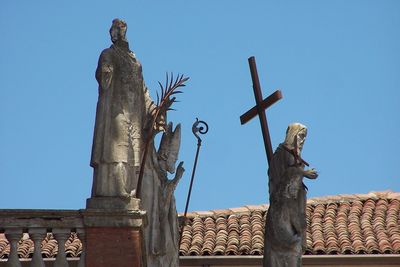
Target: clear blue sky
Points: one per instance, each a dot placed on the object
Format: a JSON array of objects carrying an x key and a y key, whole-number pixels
[{"x": 337, "y": 63}]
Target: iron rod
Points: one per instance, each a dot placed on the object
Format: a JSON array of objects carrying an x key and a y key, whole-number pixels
[{"x": 195, "y": 130}]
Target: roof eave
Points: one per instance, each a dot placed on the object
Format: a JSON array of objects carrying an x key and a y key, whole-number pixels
[{"x": 340, "y": 260}]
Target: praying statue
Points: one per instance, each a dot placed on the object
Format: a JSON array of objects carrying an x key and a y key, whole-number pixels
[
  {"x": 285, "y": 228},
  {"x": 162, "y": 232}
]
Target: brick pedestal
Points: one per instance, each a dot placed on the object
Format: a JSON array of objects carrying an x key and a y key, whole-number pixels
[
  {"x": 120, "y": 247},
  {"x": 114, "y": 234}
]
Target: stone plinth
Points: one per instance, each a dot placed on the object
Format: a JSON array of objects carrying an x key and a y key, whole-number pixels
[
  {"x": 114, "y": 232},
  {"x": 112, "y": 203}
]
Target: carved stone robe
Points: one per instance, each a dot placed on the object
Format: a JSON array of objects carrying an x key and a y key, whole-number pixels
[
  {"x": 162, "y": 232},
  {"x": 286, "y": 219},
  {"x": 123, "y": 114}
]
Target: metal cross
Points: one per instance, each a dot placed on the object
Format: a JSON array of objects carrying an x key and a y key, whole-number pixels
[{"x": 259, "y": 108}]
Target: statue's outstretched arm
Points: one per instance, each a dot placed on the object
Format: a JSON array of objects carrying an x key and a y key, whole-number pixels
[
  {"x": 311, "y": 173},
  {"x": 297, "y": 170}
]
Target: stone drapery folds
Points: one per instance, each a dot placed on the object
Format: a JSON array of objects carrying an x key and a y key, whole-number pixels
[
  {"x": 285, "y": 226},
  {"x": 125, "y": 119}
]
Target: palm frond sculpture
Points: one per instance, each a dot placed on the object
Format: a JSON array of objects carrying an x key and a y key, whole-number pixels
[{"x": 163, "y": 104}]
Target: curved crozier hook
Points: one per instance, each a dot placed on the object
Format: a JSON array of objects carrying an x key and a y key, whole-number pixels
[{"x": 202, "y": 129}]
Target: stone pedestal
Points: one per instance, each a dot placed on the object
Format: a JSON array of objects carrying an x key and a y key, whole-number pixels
[
  {"x": 112, "y": 203},
  {"x": 114, "y": 232}
]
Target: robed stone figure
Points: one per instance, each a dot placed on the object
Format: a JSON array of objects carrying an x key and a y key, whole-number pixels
[
  {"x": 285, "y": 229},
  {"x": 124, "y": 118}
]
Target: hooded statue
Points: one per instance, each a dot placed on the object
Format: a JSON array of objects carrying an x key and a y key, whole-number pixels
[{"x": 285, "y": 228}]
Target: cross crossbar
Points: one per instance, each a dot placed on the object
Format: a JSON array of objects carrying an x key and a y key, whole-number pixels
[{"x": 266, "y": 103}]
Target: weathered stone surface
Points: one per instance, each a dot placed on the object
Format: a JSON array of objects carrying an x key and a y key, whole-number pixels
[
  {"x": 26, "y": 218},
  {"x": 113, "y": 203},
  {"x": 162, "y": 232},
  {"x": 285, "y": 228},
  {"x": 114, "y": 218},
  {"x": 126, "y": 122},
  {"x": 122, "y": 118}
]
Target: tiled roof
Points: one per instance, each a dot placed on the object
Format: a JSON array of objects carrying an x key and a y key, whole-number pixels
[
  {"x": 73, "y": 246},
  {"x": 342, "y": 224}
]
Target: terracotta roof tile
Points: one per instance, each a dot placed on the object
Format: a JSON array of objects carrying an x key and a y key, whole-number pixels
[
  {"x": 224, "y": 212},
  {"x": 239, "y": 210},
  {"x": 73, "y": 246},
  {"x": 209, "y": 236},
  {"x": 257, "y": 207},
  {"x": 221, "y": 238},
  {"x": 257, "y": 230},
  {"x": 343, "y": 224},
  {"x": 245, "y": 234}
]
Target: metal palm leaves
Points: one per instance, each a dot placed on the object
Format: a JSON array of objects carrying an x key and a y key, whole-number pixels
[{"x": 164, "y": 102}]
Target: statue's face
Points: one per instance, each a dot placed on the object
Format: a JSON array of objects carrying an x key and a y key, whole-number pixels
[
  {"x": 118, "y": 30},
  {"x": 167, "y": 164},
  {"x": 122, "y": 30},
  {"x": 295, "y": 136},
  {"x": 171, "y": 161},
  {"x": 301, "y": 137}
]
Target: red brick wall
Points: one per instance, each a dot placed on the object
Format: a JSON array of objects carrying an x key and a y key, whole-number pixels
[{"x": 107, "y": 247}]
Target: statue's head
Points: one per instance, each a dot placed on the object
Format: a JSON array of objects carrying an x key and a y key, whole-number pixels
[
  {"x": 118, "y": 30},
  {"x": 296, "y": 134},
  {"x": 169, "y": 148}
]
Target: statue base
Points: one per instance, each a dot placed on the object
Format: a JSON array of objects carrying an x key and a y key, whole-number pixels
[
  {"x": 114, "y": 232},
  {"x": 113, "y": 203}
]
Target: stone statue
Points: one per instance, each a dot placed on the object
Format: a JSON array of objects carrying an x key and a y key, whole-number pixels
[
  {"x": 122, "y": 118},
  {"x": 285, "y": 228},
  {"x": 162, "y": 232},
  {"x": 127, "y": 121}
]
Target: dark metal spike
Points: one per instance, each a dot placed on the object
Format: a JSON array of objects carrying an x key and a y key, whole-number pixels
[
  {"x": 161, "y": 87},
  {"x": 166, "y": 82},
  {"x": 178, "y": 79},
  {"x": 172, "y": 80},
  {"x": 176, "y": 92}
]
